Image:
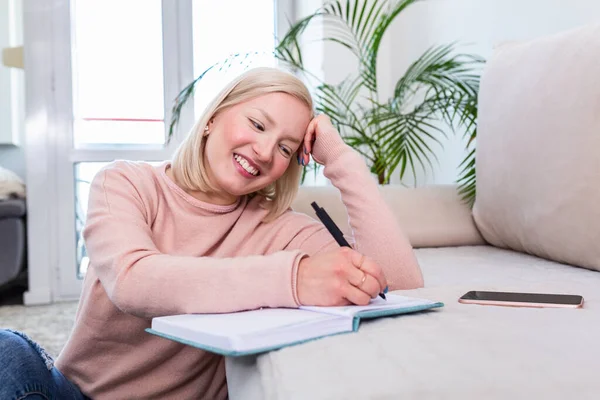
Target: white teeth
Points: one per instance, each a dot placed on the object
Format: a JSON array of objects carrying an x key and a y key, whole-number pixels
[{"x": 250, "y": 169}]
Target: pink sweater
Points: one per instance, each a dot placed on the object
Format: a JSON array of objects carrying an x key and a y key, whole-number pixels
[{"x": 155, "y": 250}]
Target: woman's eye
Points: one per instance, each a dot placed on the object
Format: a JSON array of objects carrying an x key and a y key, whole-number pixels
[
  {"x": 286, "y": 151},
  {"x": 257, "y": 125}
]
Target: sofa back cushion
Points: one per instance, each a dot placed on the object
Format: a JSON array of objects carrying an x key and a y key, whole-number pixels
[
  {"x": 430, "y": 216},
  {"x": 538, "y": 148}
]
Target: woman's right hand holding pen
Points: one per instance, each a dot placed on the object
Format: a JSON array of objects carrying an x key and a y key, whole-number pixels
[{"x": 337, "y": 278}]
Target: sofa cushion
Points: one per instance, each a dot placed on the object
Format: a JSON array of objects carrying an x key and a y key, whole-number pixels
[
  {"x": 12, "y": 208},
  {"x": 538, "y": 148},
  {"x": 430, "y": 216}
]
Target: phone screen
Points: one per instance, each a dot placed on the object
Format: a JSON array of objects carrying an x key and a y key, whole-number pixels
[{"x": 523, "y": 297}]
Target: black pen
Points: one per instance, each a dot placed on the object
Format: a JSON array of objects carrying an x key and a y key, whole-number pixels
[{"x": 333, "y": 229}]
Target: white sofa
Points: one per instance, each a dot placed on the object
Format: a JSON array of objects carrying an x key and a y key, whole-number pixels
[{"x": 535, "y": 227}]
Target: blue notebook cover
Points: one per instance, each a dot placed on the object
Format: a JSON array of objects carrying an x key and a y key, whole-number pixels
[{"x": 356, "y": 319}]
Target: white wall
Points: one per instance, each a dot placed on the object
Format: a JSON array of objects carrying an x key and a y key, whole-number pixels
[{"x": 479, "y": 24}]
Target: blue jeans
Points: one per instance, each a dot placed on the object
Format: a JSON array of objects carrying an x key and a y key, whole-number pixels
[{"x": 28, "y": 372}]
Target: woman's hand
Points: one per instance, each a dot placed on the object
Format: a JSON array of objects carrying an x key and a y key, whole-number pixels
[
  {"x": 319, "y": 126},
  {"x": 337, "y": 278}
]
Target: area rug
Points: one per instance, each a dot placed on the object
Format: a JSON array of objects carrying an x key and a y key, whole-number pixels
[{"x": 48, "y": 325}]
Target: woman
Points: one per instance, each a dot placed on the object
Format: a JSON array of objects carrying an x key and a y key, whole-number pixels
[{"x": 212, "y": 231}]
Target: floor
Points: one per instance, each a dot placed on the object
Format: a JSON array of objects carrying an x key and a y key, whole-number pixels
[{"x": 48, "y": 325}]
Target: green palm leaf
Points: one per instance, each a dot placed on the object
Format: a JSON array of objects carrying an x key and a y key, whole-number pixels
[
  {"x": 181, "y": 100},
  {"x": 367, "y": 21},
  {"x": 337, "y": 102},
  {"x": 404, "y": 139},
  {"x": 449, "y": 85},
  {"x": 467, "y": 179},
  {"x": 373, "y": 42},
  {"x": 438, "y": 68},
  {"x": 288, "y": 49}
]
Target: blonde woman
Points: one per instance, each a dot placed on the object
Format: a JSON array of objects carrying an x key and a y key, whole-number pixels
[{"x": 212, "y": 231}]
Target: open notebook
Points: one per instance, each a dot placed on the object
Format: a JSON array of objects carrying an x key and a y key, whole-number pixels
[{"x": 257, "y": 331}]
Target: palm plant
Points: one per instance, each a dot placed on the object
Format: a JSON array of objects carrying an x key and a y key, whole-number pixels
[{"x": 395, "y": 135}]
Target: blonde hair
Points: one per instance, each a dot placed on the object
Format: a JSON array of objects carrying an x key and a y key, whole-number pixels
[{"x": 189, "y": 164}]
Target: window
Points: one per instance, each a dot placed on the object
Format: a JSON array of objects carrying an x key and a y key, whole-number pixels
[{"x": 118, "y": 73}]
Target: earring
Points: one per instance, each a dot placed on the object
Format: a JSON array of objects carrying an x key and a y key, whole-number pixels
[{"x": 206, "y": 132}]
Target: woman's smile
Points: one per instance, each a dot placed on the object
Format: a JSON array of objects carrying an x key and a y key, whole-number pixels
[{"x": 246, "y": 167}]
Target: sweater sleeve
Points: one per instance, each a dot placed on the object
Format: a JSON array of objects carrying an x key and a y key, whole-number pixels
[
  {"x": 375, "y": 231},
  {"x": 142, "y": 281}
]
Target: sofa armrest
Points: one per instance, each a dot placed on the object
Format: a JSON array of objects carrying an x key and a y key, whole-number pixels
[
  {"x": 12, "y": 208},
  {"x": 431, "y": 216},
  {"x": 12, "y": 248}
]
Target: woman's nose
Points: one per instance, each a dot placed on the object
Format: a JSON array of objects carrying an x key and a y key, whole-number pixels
[{"x": 263, "y": 148}]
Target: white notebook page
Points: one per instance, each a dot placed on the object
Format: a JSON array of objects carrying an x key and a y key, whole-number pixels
[
  {"x": 393, "y": 301},
  {"x": 241, "y": 323}
]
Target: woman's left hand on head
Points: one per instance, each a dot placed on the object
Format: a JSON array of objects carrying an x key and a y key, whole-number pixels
[{"x": 319, "y": 126}]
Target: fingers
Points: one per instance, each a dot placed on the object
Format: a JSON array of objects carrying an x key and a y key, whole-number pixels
[
  {"x": 367, "y": 265},
  {"x": 334, "y": 279},
  {"x": 316, "y": 127},
  {"x": 309, "y": 138},
  {"x": 364, "y": 282},
  {"x": 357, "y": 296}
]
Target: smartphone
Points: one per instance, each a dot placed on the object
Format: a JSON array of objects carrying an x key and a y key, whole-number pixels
[{"x": 513, "y": 299}]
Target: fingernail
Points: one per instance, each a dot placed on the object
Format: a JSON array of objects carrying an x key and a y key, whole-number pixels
[
  {"x": 385, "y": 290},
  {"x": 299, "y": 159},
  {"x": 305, "y": 151}
]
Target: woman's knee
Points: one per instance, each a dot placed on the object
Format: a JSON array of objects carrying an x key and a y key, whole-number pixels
[
  {"x": 19, "y": 352},
  {"x": 27, "y": 370}
]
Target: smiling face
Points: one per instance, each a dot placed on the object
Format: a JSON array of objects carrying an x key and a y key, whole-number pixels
[{"x": 251, "y": 144}]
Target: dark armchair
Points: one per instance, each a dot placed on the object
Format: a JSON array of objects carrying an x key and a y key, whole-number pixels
[{"x": 13, "y": 243}]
